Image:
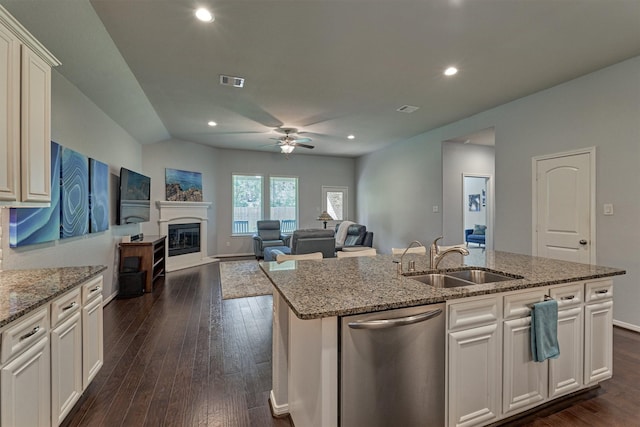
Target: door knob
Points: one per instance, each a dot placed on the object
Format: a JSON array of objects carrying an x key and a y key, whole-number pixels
[{"x": 583, "y": 242}]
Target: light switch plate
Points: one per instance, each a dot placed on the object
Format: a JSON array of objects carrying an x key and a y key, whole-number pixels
[
  {"x": 436, "y": 209},
  {"x": 608, "y": 209}
]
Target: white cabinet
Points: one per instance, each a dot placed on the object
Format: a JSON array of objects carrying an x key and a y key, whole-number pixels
[
  {"x": 25, "y": 116},
  {"x": 66, "y": 354},
  {"x": 524, "y": 382},
  {"x": 598, "y": 332},
  {"x": 25, "y": 375},
  {"x": 473, "y": 362},
  {"x": 92, "y": 333},
  {"x": 566, "y": 372}
]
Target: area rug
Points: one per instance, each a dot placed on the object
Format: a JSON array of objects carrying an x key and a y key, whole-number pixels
[{"x": 241, "y": 279}]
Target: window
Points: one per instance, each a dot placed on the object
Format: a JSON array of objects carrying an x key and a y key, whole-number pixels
[
  {"x": 283, "y": 194},
  {"x": 247, "y": 203},
  {"x": 335, "y": 202}
]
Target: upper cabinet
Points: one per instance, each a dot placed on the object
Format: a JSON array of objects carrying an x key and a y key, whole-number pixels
[{"x": 25, "y": 116}]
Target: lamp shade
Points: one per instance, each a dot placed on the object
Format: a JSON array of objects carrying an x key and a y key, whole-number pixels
[{"x": 324, "y": 216}]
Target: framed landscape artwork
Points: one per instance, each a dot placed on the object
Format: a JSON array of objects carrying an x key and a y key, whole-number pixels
[{"x": 183, "y": 186}]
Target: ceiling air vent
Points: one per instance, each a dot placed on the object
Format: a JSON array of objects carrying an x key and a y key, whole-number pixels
[
  {"x": 231, "y": 81},
  {"x": 407, "y": 109}
]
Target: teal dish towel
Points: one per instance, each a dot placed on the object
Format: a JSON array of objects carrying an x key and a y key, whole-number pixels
[{"x": 544, "y": 331}]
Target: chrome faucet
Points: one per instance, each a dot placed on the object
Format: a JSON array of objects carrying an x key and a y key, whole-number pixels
[
  {"x": 411, "y": 263},
  {"x": 435, "y": 256}
]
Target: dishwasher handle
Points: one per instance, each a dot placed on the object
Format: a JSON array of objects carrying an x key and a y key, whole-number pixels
[{"x": 398, "y": 321}]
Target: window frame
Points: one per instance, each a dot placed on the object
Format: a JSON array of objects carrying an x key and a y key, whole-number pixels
[
  {"x": 249, "y": 231},
  {"x": 337, "y": 189}
]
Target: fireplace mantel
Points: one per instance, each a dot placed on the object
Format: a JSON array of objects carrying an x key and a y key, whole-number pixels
[{"x": 185, "y": 213}]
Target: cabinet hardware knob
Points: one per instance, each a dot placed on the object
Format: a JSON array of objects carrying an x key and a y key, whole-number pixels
[
  {"x": 602, "y": 291},
  {"x": 97, "y": 288},
  {"x": 569, "y": 297},
  {"x": 583, "y": 242}
]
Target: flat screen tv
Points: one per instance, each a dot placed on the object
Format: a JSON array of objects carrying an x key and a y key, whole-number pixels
[{"x": 134, "y": 198}]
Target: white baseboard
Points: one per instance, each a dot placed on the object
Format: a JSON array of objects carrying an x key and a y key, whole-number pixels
[
  {"x": 277, "y": 410},
  {"x": 625, "y": 325}
]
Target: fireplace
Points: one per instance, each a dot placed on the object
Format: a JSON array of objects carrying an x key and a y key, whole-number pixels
[
  {"x": 185, "y": 225},
  {"x": 183, "y": 238}
]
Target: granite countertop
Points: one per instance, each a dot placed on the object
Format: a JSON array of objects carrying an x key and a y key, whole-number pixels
[
  {"x": 22, "y": 291},
  {"x": 339, "y": 287}
]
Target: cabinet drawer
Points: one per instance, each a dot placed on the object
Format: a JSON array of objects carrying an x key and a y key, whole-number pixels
[
  {"x": 91, "y": 289},
  {"x": 470, "y": 314},
  {"x": 519, "y": 305},
  {"x": 19, "y": 336},
  {"x": 599, "y": 291},
  {"x": 65, "y": 306},
  {"x": 568, "y": 296}
]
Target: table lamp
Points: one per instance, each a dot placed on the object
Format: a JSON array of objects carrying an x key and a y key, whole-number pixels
[{"x": 324, "y": 217}]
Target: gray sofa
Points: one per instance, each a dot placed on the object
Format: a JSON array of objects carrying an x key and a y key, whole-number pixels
[
  {"x": 357, "y": 235},
  {"x": 314, "y": 240}
]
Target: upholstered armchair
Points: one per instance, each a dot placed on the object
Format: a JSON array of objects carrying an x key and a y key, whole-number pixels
[
  {"x": 268, "y": 234},
  {"x": 357, "y": 235}
]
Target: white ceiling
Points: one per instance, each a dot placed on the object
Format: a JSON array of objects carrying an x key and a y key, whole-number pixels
[{"x": 329, "y": 68}]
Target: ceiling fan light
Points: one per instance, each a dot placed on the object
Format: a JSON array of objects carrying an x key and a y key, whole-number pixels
[
  {"x": 287, "y": 149},
  {"x": 204, "y": 15}
]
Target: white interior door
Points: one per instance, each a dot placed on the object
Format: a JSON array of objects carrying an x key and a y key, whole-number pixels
[{"x": 564, "y": 206}]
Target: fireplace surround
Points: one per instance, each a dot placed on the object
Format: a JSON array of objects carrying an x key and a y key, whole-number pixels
[{"x": 186, "y": 217}]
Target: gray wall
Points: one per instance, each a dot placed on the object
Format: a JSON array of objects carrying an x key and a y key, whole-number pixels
[
  {"x": 458, "y": 159},
  {"x": 600, "y": 109},
  {"x": 77, "y": 123},
  {"x": 217, "y": 166}
]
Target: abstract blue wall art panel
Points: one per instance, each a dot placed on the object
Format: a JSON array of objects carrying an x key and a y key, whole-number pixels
[
  {"x": 98, "y": 196},
  {"x": 74, "y": 207},
  {"x": 183, "y": 186},
  {"x": 28, "y": 226}
]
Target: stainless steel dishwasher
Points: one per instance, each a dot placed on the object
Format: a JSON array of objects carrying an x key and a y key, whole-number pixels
[{"x": 392, "y": 368}]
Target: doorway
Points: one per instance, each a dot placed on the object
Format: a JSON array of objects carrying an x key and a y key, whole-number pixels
[{"x": 477, "y": 212}]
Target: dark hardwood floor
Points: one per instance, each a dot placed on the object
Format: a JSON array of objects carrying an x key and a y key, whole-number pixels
[{"x": 181, "y": 356}]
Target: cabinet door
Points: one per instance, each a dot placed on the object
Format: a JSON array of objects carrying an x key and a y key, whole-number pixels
[
  {"x": 524, "y": 381},
  {"x": 25, "y": 396},
  {"x": 66, "y": 367},
  {"x": 35, "y": 128},
  {"x": 565, "y": 372},
  {"x": 598, "y": 345},
  {"x": 9, "y": 116},
  {"x": 473, "y": 376},
  {"x": 92, "y": 350}
]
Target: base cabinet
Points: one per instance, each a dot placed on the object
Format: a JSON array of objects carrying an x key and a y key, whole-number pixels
[
  {"x": 66, "y": 367},
  {"x": 486, "y": 344},
  {"x": 92, "y": 349},
  {"x": 26, "y": 391}
]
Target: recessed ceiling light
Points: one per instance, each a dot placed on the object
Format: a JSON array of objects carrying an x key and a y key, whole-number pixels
[
  {"x": 351, "y": 137},
  {"x": 204, "y": 15},
  {"x": 212, "y": 123},
  {"x": 451, "y": 71}
]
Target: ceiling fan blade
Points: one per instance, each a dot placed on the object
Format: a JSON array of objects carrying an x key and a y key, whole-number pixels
[
  {"x": 297, "y": 144},
  {"x": 303, "y": 140}
]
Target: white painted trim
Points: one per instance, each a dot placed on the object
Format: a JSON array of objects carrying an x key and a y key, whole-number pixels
[
  {"x": 27, "y": 38},
  {"x": 592, "y": 202},
  {"x": 626, "y": 325},
  {"x": 277, "y": 410}
]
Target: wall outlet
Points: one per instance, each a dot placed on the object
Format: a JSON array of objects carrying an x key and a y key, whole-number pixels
[
  {"x": 436, "y": 208},
  {"x": 608, "y": 209}
]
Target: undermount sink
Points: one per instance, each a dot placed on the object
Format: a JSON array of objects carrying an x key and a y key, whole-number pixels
[
  {"x": 441, "y": 280},
  {"x": 479, "y": 276},
  {"x": 454, "y": 279}
]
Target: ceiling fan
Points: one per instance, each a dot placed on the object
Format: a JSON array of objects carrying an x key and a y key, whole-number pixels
[{"x": 288, "y": 143}]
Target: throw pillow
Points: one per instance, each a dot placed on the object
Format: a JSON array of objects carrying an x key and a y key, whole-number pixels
[{"x": 479, "y": 230}]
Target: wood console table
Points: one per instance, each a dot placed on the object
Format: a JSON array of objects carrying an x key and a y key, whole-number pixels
[{"x": 151, "y": 250}]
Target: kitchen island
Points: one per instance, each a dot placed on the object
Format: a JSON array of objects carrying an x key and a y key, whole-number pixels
[
  {"x": 313, "y": 296},
  {"x": 52, "y": 341}
]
